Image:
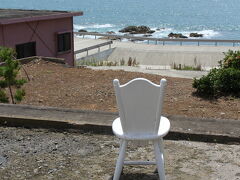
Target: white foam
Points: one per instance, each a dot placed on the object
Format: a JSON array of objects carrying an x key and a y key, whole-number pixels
[
  {"x": 162, "y": 32},
  {"x": 207, "y": 34},
  {"x": 92, "y": 26}
]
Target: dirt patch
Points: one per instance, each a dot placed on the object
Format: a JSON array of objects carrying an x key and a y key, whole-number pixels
[
  {"x": 49, "y": 154},
  {"x": 55, "y": 85}
]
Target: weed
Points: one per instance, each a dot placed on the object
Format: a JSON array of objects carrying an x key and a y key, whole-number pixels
[
  {"x": 187, "y": 68},
  {"x": 122, "y": 62}
]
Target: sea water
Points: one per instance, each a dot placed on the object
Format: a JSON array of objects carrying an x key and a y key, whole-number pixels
[{"x": 215, "y": 19}]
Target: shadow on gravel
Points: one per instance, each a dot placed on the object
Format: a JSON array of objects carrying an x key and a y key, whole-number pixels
[
  {"x": 137, "y": 176},
  {"x": 107, "y": 130}
]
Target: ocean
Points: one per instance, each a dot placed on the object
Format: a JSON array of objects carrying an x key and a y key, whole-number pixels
[{"x": 215, "y": 19}]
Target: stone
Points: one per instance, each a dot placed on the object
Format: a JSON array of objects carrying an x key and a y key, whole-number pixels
[
  {"x": 129, "y": 29},
  {"x": 195, "y": 35},
  {"x": 151, "y": 31},
  {"x": 176, "y": 35},
  {"x": 82, "y": 30},
  {"x": 137, "y": 30}
]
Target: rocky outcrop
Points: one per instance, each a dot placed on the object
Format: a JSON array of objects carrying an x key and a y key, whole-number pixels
[
  {"x": 151, "y": 31},
  {"x": 195, "y": 35},
  {"x": 82, "y": 30},
  {"x": 176, "y": 35},
  {"x": 137, "y": 30}
]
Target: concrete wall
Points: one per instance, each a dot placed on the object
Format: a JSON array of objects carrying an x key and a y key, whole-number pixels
[
  {"x": 167, "y": 58},
  {"x": 100, "y": 56},
  {"x": 159, "y": 55},
  {"x": 44, "y": 33}
]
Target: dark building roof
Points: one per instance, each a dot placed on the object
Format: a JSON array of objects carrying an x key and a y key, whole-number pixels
[{"x": 9, "y": 16}]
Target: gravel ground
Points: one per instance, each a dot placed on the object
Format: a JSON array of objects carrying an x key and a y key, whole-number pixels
[{"x": 54, "y": 154}]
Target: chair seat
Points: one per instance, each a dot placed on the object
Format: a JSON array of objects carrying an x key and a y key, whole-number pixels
[{"x": 164, "y": 127}]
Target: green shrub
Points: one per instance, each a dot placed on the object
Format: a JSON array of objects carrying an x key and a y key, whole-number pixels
[
  {"x": 228, "y": 81},
  {"x": 222, "y": 81},
  {"x": 205, "y": 85},
  {"x": 231, "y": 60}
]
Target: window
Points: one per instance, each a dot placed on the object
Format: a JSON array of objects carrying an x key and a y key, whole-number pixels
[
  {"x": 26, "y": 50},
  {"x": 64, "y": 42}
]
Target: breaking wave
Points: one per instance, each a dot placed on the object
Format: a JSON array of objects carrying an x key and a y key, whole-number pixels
[{"x": 93, "y": 26}]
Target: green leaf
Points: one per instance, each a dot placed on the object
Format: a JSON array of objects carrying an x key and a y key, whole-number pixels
[
  {"x": 20, "y": 93},
  {"x": 18, "y": 83},
  {"x": 3, "y": 83},
  {"x": 3, "y": 97}
]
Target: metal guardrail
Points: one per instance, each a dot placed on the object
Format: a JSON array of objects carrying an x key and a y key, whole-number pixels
[
  {"x": 93, "y": 47},
  {"x": 156, "y": 40}
]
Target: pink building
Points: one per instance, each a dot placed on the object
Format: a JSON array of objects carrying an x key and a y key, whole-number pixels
[{"x": 38, "y": 33}]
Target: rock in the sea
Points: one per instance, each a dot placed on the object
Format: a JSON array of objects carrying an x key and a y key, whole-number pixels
[
  {"x": 137, "y": 30},
  {"x": 82, "y": 30},
  {"x": 143, "y": 29},
  {"x": 151, "y": 31},
  {"x": 176, "y": 35},
  {"x": 195, "y": 35},
  {"x": 129, "y": 29}
]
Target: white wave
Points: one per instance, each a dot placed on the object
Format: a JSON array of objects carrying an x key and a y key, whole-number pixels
[
  {"x": 162, "y": 32},
  {"x": 92, "y": 26},
  {"x": 162, "y": 29},
  {"x": 209, "y": 33}
]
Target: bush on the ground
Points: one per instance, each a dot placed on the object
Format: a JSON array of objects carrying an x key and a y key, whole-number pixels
[
  {"x": 231, "y": 60},
  {"x": 222, "y": 81}
]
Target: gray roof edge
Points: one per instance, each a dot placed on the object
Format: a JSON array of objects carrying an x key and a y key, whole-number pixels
[{"x": 39, "y": 17}]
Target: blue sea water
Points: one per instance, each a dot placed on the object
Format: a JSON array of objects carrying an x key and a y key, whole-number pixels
[{"x": 216, "y": 19}]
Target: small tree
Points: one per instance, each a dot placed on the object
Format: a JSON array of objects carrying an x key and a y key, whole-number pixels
[{"x": 8, "y": 74}]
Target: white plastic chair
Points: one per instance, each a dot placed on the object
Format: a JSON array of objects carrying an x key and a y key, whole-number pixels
[{"x": 140, "y": 106}]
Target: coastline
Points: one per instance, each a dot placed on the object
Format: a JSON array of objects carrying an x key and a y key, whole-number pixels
[{"x": 158, "y": 55}]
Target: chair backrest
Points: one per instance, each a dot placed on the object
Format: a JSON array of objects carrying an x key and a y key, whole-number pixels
[{"x": 140, "y": 105}]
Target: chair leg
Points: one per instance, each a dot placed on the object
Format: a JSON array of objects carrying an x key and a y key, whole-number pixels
[
  {"x": 159, "y": 160},
  {"x": 120, "y": 160},
  {"x": 162, "y": 149}
]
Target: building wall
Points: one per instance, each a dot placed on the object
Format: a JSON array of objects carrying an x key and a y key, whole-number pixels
[{"x": 44, "y": 33}]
